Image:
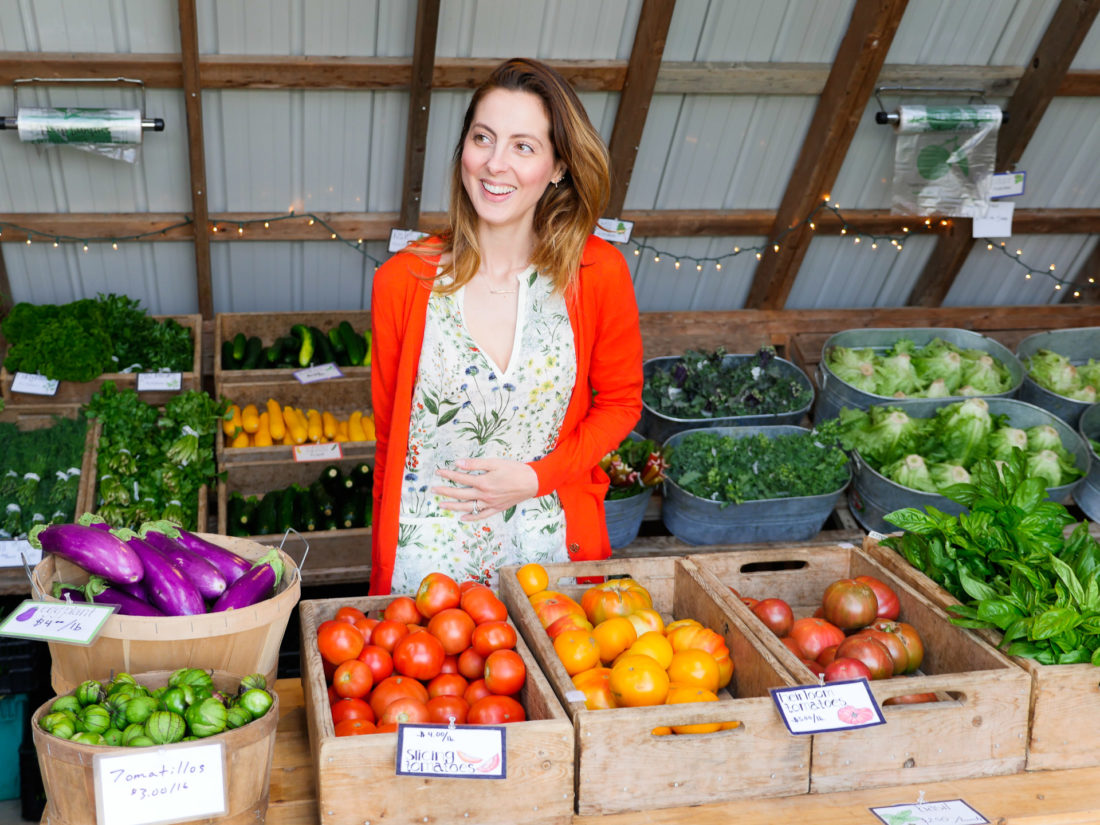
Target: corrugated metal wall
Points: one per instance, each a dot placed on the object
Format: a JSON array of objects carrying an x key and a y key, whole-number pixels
[{"x": 316, "y": 151}]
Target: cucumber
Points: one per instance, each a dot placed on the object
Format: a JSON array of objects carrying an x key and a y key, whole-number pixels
[
  {"x": 274, "y": 353},
  {"x": 306, "y": 344},
  {"x": 228, "y": 361},
  {"x": 234, "y": 509},
  {"x": 339, "y": 351},
  {"x": 333, "y": 481},
  {"x": 321, "y": 499},
  {"x": 349, "y": 514},
  {"x": 322, "y": 349},
  {"x": 264, "y": 522},
  {"x": 253, "y": 351},
  {"x": 352, "y": 343},
  {"x": 284, "y": 515},
  {"x": 239, "y": 343},
  {"x": 288, "y": 351},
  {"x": 247, "y": 518}
]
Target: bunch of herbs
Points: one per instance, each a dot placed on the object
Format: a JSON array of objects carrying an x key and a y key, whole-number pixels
[{"x": 39, "y": 474}]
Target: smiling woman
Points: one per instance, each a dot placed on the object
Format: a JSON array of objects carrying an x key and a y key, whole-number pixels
[{"x": 507, "y": 355}]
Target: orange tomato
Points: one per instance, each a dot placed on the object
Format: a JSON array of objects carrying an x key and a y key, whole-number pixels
[
  {"x": 595, "y": 684},
  {"x": 683, "y": 695},
  {"x": 671, "y": 626},
  {"x": 614, "y": 636},
  {"x": 578, "y": 650},
  {"x": 654, "y": 645},
  {"x": 638, "y": 681},
  {"x": 533, "y": 578},
  {"x": 645, "y": 620},
  {"x": 550, "y": 606},
  {"x": 694, "y": 669},
  {"x": 617, "y": 597},
  {"x": 570, "y": 621}
]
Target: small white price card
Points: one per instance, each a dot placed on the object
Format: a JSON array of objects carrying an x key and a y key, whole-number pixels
[
  {"x": 947, "y": 812},
  {"x": 152, "y": 381},
  {"x": 13, "y": 552},
  {"x": 997, "y": 221},
  {"x": 156, "y": 785},
  {"x": 400, "y": 238},
  {"x": 1007, "y": 184},
  {"x": 318, "y": 452},
  {"x": 34, "y": 384},
  {"x": 614, "y": 230},
  {"x": 75, "y": 623},
  {"x": 833, "y": 706},
  {"x": 322, "y": 372},
  {"x": 462, "y": 751}
]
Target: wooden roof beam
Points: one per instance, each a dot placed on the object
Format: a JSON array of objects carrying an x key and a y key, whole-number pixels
[
  {"x": 1087, "y": 279},
  {"x": 420, "y": 102},
  {"x": 1038, "y": 85},
  {"x": 851, "y": 81},
  {"x": 637, "y": 93}
]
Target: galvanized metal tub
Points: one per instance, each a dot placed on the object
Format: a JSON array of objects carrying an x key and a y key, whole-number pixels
[
  {"x": 1087, "y": 491},
  {"x": 624, "y": 517},
  {"x": 1078, "y": 345},
  {"x": 699, "y": 521},
  {"x": 873, "y": 495},
  {"x": 835, "y": 393},
  {"x": 659, "y": 426}
]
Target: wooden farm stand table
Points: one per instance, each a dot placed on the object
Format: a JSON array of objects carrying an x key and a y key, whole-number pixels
[{"x": 1069, "y": 797}]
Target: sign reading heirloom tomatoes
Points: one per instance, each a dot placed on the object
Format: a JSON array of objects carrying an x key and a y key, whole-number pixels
[
  {"x": 463, "y": 751},
  {"x": 834, "y": 706}
]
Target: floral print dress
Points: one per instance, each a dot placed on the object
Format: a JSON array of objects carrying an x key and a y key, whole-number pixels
[{"x": 465, "y": 406}]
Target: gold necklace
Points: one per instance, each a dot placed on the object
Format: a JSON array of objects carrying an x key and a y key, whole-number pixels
[{"x": 503, "y": 291}]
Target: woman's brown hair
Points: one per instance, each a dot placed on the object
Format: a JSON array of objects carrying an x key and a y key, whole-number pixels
[{"x": 566, "y": 214}]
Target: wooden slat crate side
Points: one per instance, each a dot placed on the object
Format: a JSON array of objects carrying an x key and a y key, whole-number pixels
[
  {"x": 984, "y": 696},
  {"x": 1064, "y": 721},
  {"x": 355, "y": 775},
  {"x": 621, "y": 765}
]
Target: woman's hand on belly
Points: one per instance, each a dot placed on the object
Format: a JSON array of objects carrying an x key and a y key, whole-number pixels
[{"x": 495, "y": 484}]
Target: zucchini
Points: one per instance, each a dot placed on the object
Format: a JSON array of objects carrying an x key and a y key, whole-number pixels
[
  {"x": 352, "y": 343},
  {"x": 306, "y": 344},
  {"x": 284, "y": 510},
  {"x": 362, "y": 478},
  {"x": 264, "y": 522},
  {"x": 333, "y": 481},
  {"x": 349, "y": 513},
  {"x": 322, "y": 349},
  {"x": 307, "y": 513},
  {"x": 253, "y": 351},
  {"x": 228, "y": 361},
  {"x": 321, "y": 499},
  {"x": 288, "y": 351},
  {"x": 239, "y": 343},
  {"x": 234, "y": 509},
  {"x": 247, "y": 518}
]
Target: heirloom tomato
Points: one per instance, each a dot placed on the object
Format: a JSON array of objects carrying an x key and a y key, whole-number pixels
[
  {"x": 776, "y": 614},
  {"x": 532, "y": 578},
  {"x": 437, "y": 591},
  {"x": 595, "y": 684},
  {"x": 844, "y": 669},
  {"x": 888, "y": 605},
  {"x": 638, "y": 681},
  {"x": 871, "y": 652},
  {"x": 613, "y": 636},
  {"x": 617, "y": 597},
  {"x": 813, "y": 635},
  {"x": 578, "y": 650},
  {"x": 849, "y": 604}
]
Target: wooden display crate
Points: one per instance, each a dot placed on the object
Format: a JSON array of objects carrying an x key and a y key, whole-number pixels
[
  {"x": 621, "y": 765},
  {"x": 340, "y": 396},
  {"x": 977, "y": 728},
  {"x": 80, "y": 392},
  {"x": 268, "y": 327},
  {"x": 355, "y": 775},
  {"x": 1065, "y": 703},
  {"x": 335, "y": 556}
]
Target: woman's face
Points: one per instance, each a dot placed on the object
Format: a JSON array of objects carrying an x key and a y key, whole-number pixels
[{"x": 507, "y": 158}]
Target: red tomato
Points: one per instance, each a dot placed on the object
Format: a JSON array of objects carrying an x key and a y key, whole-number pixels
[
  {"x": 826, "y": 657},
  {"x": 871, "y": 652},
  {"x": 792, "y": 646},
  {"x": 495, "y": 710},
  {"x": 387, "y": 634},
  {"x": 492, "y": 636},
  {"x": 338, "y": 641},
  {"x": 442, "y": 709},
  {"x": 333, "y": 698},
  {"x": 912, "y": 699},
  {"x": 476, "y": 690},
  {"x": 814, "y": 635},
  {"x": 749, "y": 602},
  {"x": 849, "y": 604},
  {"x": 395, "y": 687},
  {"x": 351, "y": 709},
  {"x": 812, "y": 666},
  {"x": 447, "y": 684},
  {"x": 888, "y": 605},
  {"x": 379, "y": 661},
  {"x": 450, "y": 664},
  {"x": 471, "y": 664},
  {"x": 389, "y": 727},
  {"x": 402, "y": 609},
  {"x": 349, "y": 614},
  {"x": 352, "y": 679},
  {"x": 419, "y": 655},
  {"x": 483, "y": 605},
  {"x": 355, "y": 727},
  {"x": 453, "y": 627},
  {"x": 366, "y": 626},
  {"x": 776, "y": 614},
  {"x": 437, "y": 592},
  {"x": 504, "y": 672},
  {"x": 407, "y": 711},
  {"x": 466, "y": 585},
  {"x": 842, "y": 669}
]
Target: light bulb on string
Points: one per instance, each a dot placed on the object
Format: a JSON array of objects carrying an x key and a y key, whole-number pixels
[
  {"x": 267, "y": 225},
  {"x": 334, "y": 236},
  {"x": 656, "y": 259},
  {"x": 114, "y": 245},
  {"x": 677, "y": 264},
  {"x": 1076, "y": 294},
  {"x": 855, "y": 240},
  {"x": 28, "y": 240},
  {"x": 311, "y": 221},
  {"x": 240, "y": 229},
  {"x": 758, "y": 255},
  {"x": 85, "y": 247},
  {"x": 843, "y": 230},
  {"x": 55, "y": 243},
  {"x": 813, "y": 225},
  {"x": 717, "y": 266},
  {"x": 698, "y": 267},
  {"x": 775, "y": 247},
  {"x": 736, "y": 250},
  {"x": 874, "y": 245}
]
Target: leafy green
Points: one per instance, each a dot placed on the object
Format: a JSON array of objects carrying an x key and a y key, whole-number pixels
[
  {"x": 1056, "y": 373},
  {"x": 733, "y": 470},
  {"x": 1010, "y": 564},
  {"x": 39, "y": 474},
  {"x": 705, "y": 385}
]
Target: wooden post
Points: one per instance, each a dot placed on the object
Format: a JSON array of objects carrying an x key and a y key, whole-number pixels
[
  {"x": 420, "y": 101},
  {"x": 1086, "y": 279},
  {"x": 855, "y": 70},
  {"x": 192, "y": 97},
  {"x": 6, "y": 299}
]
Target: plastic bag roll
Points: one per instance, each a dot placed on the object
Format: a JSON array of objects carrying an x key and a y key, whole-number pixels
[
  {"x": 913, "y": 120},
  {"x": 79, "y": 126}
]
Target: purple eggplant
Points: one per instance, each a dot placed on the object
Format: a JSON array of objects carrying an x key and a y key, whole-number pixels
[
  {"x": 167, "y": 588},
  {"x": 259, "y": 583},
  {"x": 229, "y": 564},
  {"x": 207, "y": 579},
  {"x": 99, "y": 591},
  {"x": 93, "y": 520},
  {"x": 97, "y": 551},
  {"x": 67, "y": 593}
]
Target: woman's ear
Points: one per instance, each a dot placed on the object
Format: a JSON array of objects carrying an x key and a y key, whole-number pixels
[{"x": 559, "y": 174}]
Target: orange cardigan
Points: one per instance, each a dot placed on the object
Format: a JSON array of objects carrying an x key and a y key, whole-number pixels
[{"x": 605, "y": 405}]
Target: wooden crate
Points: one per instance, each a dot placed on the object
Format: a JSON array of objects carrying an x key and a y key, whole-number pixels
[
  {"x": 335, "y": 556},
  {"x": 979, "y": 726},
  {"x": 269, "y": 326},
  {"x": 621, "y": 765},
  {"x": 341, "y": 397},
  {"x": 80, "y": 392},
  {"x": 355, "y": 775},
  {"x": 1065, "y": 703}
]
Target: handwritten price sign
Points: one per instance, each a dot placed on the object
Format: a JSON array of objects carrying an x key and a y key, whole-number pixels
[
  {"x": 834, "y": 706},
  {"x": 456, "y": 751},
  {"x": 158, "y": 785},
  {"x": 75, "y": 623},
  {"x": 946, "y": 812}
]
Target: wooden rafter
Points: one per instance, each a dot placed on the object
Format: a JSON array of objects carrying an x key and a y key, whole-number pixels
[
  {"x": 839, "y": 109},
  {"x": 420, "y": 101},
  {"x": 1036, "y": 88},
  {"x": 1087, "y": 278},
  {"x": 196, "y": 153},
  {"x": 637, "y": 93}
]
